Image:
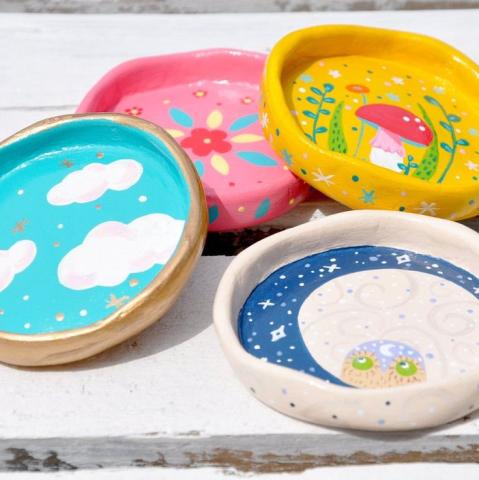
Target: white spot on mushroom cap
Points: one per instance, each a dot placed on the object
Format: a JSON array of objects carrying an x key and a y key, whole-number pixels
[
  {"x": 406, "y": 118},
  {"x": 422, "y": 128},
  {"x": 417, "y": 120}
]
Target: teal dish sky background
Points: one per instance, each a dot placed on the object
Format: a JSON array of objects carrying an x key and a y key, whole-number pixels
[{"x": 35, "y": 300}]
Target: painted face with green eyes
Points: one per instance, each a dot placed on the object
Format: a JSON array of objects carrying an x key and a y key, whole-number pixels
[
  {"x": 362, "y": 370},
  {"x": 382, "y": 364}
]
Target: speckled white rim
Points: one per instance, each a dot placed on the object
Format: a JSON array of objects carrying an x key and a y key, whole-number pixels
[{"x": 416, "y": 406}]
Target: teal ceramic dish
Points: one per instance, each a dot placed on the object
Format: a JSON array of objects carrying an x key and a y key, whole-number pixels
[{"x": 103, "y": 219}]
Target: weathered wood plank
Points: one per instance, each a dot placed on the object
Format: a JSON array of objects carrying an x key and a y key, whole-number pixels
[
  {"x": 48, "y": 62},
  {"x": 424, "y": 471},
  {"x": 217, "y": 6},
  {"x": 281, "y": 453}
]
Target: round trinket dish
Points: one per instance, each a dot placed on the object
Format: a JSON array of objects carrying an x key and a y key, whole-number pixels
[
  {"x": 364, "y": 320},
  {"x": 376, "y": 119},
  {"x": 208, "y": 101},
  {"x": 103, "y": 219}
]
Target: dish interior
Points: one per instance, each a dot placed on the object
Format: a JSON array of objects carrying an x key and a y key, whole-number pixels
[
  {"x": 216, "y": 122},
  {"x": 389, "y": 113},
  {"x": 91, "y": 212},
  {"x": 366, "y": 317},
  {"x": 209, "y": 103}
]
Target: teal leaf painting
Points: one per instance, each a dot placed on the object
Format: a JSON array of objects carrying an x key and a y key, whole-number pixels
[
  {"x": 319, "y": 101},
  {"x": 263, "y": 208},
  {"x": 213, "y": 213},
  {"x": 446, "y": 146},
  {"x": 200, "y": 168},
  {"x": 446, "y": 126},
  {"x": 453, "y": 118},
  {"x": 257, "y": 158},
  {"x": 309, "y": 114},
  {"x": 243, "y": 122},
  {"x": 449, "y": 127},
  {"x": 181, "y": 117},
  {"x": 432, "y": 100}
]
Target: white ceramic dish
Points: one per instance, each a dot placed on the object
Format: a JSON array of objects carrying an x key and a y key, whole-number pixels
[{"x": 364, "y": 319}]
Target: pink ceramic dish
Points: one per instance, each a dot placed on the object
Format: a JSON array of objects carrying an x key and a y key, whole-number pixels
[{"x": 208, "y": 101}]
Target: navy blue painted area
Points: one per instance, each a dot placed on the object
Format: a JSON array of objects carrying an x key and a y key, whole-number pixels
[{"x": 275, "y": 303}]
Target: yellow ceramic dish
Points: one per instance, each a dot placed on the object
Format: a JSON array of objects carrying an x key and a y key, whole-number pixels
[{"x": 376, "y": 118}]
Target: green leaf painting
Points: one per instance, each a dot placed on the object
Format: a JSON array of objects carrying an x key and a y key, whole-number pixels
[
  {"x": 318, "y": 100},
  {"x": 451, "y": 145},
  {"x": 428, "y": 165},
  {"x": 336, "y": 139}
]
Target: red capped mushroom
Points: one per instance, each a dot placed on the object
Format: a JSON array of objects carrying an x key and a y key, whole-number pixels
[{"x": 394, "y": 125}]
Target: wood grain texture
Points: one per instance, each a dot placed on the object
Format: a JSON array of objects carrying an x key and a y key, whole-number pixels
[
  {"x": 216, "y": 6},
  {"x": 424, "y": 471},
  {"x": 168, "y": 397}
]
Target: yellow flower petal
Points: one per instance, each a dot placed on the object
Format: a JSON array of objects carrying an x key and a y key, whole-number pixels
[
  {"x": 247, "y": 138},
  {"x": 175, "y": 133},
  {"x": 220, "y": 164},
  {"x": 215, "y": 119}
]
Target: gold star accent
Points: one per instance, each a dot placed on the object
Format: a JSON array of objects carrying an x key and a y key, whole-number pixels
[
  {"x": 98, "y": 207},
  {"x": 19, "y": 226},
  {"x": 115, "y": 302},
  {"x": 67, "y": 163},
  {"x": 100, "y": 155},
  {"x": 56, "y": 244},
  {"x": 59, "y": 317},
  {"x": 133, "y": 282}
]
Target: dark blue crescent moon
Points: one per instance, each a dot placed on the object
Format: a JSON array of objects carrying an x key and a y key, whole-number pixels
[{"x": 274, "y": 304}]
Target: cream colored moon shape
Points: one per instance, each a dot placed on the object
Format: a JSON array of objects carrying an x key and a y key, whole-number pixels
[{"x": 436, "y": 317}]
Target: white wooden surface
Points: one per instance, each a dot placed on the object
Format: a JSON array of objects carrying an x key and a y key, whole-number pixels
[
  {"x": 215, "y": 6},
  {"x": 423, "y": 471},
  {"x": 168, "y": 398}
]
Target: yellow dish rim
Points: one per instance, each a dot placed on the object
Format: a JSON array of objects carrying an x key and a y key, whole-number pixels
[{"x": 285, "y": 121}]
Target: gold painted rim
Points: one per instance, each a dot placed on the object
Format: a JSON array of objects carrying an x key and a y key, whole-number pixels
[{"x": 148, "y": 305}]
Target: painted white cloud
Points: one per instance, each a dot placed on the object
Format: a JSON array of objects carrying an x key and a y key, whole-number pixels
[
  {"x": 92, "y": 181},
  {"x": 113, "y": 250},
  {"x": 14, "y": 260}
]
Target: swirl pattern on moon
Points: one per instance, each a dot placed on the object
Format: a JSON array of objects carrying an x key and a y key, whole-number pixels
[{"x": 366, "y": 317}]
